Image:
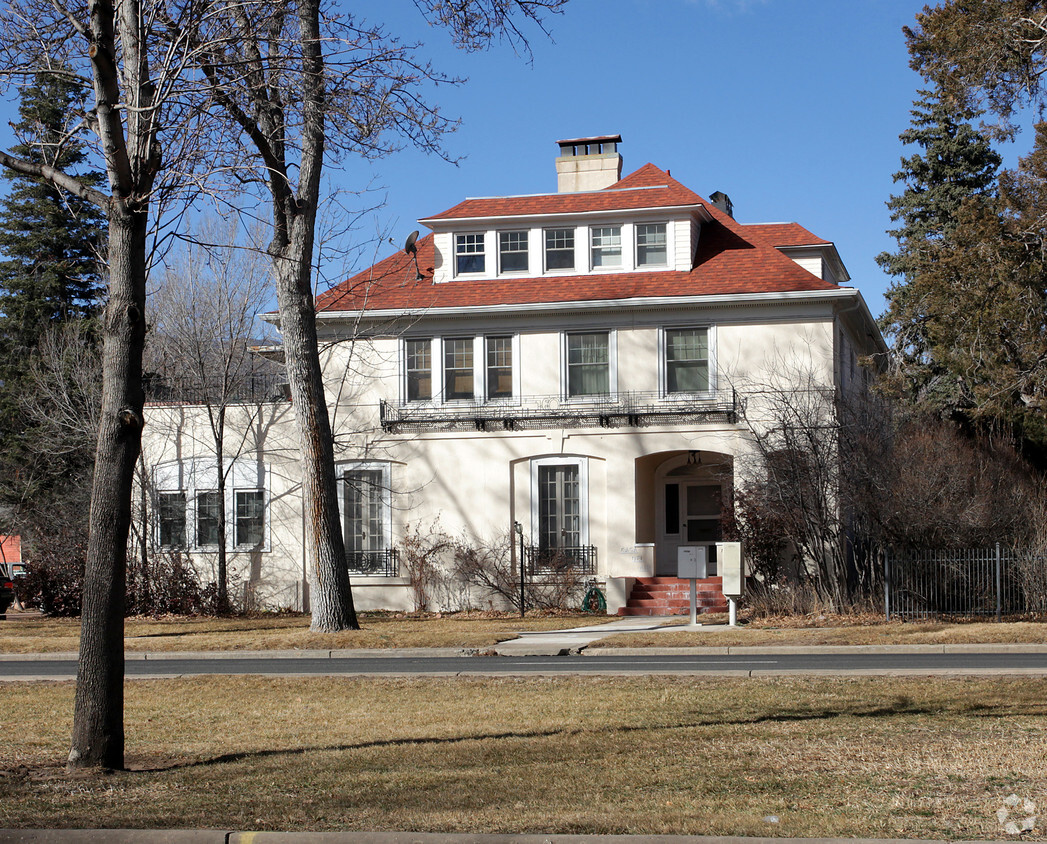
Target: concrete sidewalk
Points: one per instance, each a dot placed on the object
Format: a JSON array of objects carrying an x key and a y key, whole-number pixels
[{"x": 202, "y": 836}]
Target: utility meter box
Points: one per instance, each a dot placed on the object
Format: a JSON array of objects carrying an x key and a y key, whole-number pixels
[
  {"x": 690, "y": 562},
  {"x": 732, "y": 568}
]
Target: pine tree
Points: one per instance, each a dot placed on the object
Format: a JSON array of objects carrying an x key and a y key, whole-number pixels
[
  {"x": 956, "y": 163},
  {"x": 49, "y": 277},
  {"x": 50, "y": 238}
]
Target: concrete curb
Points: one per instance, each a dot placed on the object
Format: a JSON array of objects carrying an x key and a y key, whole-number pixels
[
  {"x": 190, "y": 836},
  {"x": 406, "y": 653},
  {"x": 809, "y": 650}
]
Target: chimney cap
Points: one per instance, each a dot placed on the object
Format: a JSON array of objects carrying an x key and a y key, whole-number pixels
[{"x": 594, "y": 145}]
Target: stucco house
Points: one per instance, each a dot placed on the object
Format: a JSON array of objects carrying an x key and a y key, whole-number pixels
[{"x": 577, "y": 363}]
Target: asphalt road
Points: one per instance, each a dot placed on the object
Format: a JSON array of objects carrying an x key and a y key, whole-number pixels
[{"x": 1034, "y": 664}]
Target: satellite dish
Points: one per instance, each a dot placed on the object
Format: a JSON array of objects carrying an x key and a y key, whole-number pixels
[
  {"x": 412, "y": 250},
  {"x": 409, "y": 246}
]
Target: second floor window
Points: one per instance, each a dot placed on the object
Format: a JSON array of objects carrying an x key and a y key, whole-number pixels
[
  {"x": 607, "y": 246},
  {"x": 468, "y": 253},
  {"x": 499, "y": 367},
  {"x": 559, "y": 249},
  {"x": 588, "y": 364},
  {"x": 419, "y": 356},
  {"x": 512, "y": 252},
  {"x": 458, "y": 368},
  {"x": 686, "y": 360}
]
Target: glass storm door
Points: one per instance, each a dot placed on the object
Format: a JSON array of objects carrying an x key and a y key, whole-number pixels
[{"x": 691, "y": 517}]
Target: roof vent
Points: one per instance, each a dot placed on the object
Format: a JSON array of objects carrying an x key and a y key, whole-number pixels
[
  {"x": 723, "y": 202},
  {"x": 588, "y": 163}
]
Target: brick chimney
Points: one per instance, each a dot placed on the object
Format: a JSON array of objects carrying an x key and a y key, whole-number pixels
[{"x": 588, "y": 163}]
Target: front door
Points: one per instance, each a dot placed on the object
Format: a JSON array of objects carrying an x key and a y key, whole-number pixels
[{"x": 691, "y": 516}]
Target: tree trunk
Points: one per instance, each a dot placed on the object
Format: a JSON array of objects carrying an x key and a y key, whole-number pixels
[
  {"x": 222, "y": 607},
  {"x": 98, "y": 730},
  {"x": 332, "y": 597}
]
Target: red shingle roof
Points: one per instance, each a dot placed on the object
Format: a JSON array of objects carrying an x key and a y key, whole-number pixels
[
  {"x": 731, "y": 259},
  {"x": 648, "y": 187}
]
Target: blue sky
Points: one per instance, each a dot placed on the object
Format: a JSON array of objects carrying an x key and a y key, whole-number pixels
[{"x": 791, "y": 107}]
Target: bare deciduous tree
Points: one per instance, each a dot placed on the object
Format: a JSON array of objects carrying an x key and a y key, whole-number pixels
[
  {"x": 204, "y": 322},
  {"x": 301, "y": 83}
]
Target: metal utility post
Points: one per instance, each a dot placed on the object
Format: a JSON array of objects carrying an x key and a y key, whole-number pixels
[{"x": 519, "y": 532}]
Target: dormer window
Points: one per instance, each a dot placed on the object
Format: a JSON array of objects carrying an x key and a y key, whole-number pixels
[
  {"x": 512, "y": 252},
  {"x": 559, "y": 249},
  {"x": 606, "y": 246},
  {"x": 469, "y": 253},
  {"x": 651, "y": 246}
]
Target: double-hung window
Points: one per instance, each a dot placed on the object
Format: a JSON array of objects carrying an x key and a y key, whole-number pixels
[
  {"x": 458, "y": 368},
  {"x": 588, "y": 364},
  {"x": 499, "y": 367},
  {"x": 687, "y": 360},
  {"x": 651, "y": 245},
  {"x": 250, "y": 518},
  {"x": 468, "y": 253},
  {"x": 606, "y": 243},
  {"x": 171, "y": 518},
  {"x": 512, "y": 252},
  {"x": 418, "y": 355},
  {"x": 559, "y": 249},
  {"x": 208, "y": 518}
]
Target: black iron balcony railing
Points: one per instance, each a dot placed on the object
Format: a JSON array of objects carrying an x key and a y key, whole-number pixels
[
  {"x": 256, "y": 388},
  {"x": 579, "y": 559},
  {"x": 374, "y": 563},
  {"x": 633, "y": 410}
]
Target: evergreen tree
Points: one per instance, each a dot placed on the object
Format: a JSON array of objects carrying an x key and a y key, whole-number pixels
[
  {"x": 956, "y": 163},
  {"x": 49, "y": 278},
  {"x": 50, "y": 238}
]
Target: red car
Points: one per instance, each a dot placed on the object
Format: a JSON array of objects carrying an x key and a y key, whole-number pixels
[{"x": 7, "y": 593}]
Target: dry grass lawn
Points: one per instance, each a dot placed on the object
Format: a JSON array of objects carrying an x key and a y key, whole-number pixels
[
  {"x": 287, "y": 632},
  {"x": 883, "y": 758},
  {"x": 837, "y": 630}
]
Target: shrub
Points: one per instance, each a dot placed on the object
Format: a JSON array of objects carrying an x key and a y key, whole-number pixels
[{"x": 489, "y": 566}]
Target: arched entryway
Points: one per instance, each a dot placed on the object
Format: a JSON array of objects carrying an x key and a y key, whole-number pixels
[{"x": 690, "y": 488}]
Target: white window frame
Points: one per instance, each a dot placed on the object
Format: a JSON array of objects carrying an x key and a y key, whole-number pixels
[
  {"x": 443, "y": 398},
  {"x": 612, "y": 366},
  {"x": 435, "y": 372},
  {"x": 234, "y": 535},
  {"x": 663, "y": 364},
  {"x": 622, "y": 240},
  {"x": 636, "y": 244},
  {"x": 437, "y": 346},
  {"x": 574, "y": 250},
  {"x": 469, "y": 239},
  {"x": 196, "y": 519},
  {"x": 526, "y": 251},
  {"x": 193, "y": 476},
  {"x": 514, "y": 351},
  {"x": 185, "y": 545},
  {"x": 583, "y": 494}
]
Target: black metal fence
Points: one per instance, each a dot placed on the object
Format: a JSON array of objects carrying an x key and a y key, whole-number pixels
[
  {"x": 577, "y": 560},
  {"x": 374, "y": 563},
  {"x": 969, "y": 583}
]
